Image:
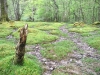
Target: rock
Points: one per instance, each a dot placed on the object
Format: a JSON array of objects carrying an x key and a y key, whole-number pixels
[
  {"x": 79, "y": 63},
  {"x": 64, "y": 62},
  {"x": 76, "y": 56},
  {"x": 51, "y": 69},
  {"x": 44, "y": 59}
]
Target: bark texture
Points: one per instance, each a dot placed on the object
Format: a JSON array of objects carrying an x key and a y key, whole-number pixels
[
  {"x": 20, "y": 48},
  {"x": 4, "y": 7}
]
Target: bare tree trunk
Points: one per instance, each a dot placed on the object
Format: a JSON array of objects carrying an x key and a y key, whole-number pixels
[
  {"x": 4, "y": 7},
  {"x": 20, "y": 48},
  {"x": 56, "y": 16},
  {"x": 16, "y": 9}
]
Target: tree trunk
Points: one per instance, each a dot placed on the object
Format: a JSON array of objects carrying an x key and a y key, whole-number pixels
[
  {"x": 56, "y": 9},
  {"x": 4, "y": 7},
  {"x": 20, "y": 48},
  {"x": 16, "y": 6}
]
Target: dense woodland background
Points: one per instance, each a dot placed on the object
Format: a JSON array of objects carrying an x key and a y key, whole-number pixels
[{"x": 87, "y": 11}]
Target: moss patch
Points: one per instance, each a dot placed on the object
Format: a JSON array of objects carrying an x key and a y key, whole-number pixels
[{"x": 59, "y": 50}]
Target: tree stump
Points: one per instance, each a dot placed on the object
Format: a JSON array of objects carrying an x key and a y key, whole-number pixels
[{"x": 20, "y": 48}]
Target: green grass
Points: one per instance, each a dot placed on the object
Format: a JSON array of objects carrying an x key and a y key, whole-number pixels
[
  {"x": 36, "y": 35},
  {"x": 90, "y": 34},
  {"x": 7, "y": 52},
  {"x": 65, "y": 70},
  {"x": 30, "y": 67},
  {"x": 4, "y": 31},
  {"x": 94, "y": 42},
  {"x": 59, "y": 50},
  {"x": 83, "y": 29},
  {"x": 90, "y": 60},
  {"x": 97, "y": 70},
  {"x": 6, "y": 48}
]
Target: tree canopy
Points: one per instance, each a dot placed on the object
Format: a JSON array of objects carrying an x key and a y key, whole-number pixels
[{"x": 53, "y": 10}]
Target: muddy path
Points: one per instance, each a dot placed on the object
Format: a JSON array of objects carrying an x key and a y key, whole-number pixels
[{"x": 75, "y": 58}]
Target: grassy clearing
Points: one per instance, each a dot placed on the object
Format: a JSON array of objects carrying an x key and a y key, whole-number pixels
[
  {"x": 59, "y": 50},
  {"x": 37, "y": 34}
]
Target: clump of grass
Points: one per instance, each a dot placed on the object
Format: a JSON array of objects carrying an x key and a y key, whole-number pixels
[
  {"x": 83, "y": 29},
  {"x": 58, "y": 51},
  {"x": 55, "y": 32},
  {"x": 30, "y": 67},
  {"x": 87, "y": 34},
  {"x": 97, "y": 70},
  {"x": 89, "y": 60},
  {"x": 66, "y": 70},
  {"x": 36, "y": 36},
  {"x": 4, "y": 31},
  {"x": 52, "y": 26},
  {"x": 94, "y": 42},
  {"x": 6, "y": 48}
]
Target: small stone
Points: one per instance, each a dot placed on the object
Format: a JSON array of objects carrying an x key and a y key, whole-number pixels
[
  {"x": 52, "y": 63},
  {"x": 51, "y": 69},
  {"x": 44, "y": 59},
  {"x": 70, "y": 60},
  {"x": 36, "y": 47},
  {"x": 45, "y": 63},
  {"x": 79, "y": 63}
]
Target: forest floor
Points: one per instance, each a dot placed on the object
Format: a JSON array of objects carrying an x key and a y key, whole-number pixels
[{"x": 52, "y": 49}]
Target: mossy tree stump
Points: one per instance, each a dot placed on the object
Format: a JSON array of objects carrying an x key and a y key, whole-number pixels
[{"x": 20, "y": 48}]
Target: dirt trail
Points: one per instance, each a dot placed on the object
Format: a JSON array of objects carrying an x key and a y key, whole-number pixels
[{"x": 74, "y": 59}]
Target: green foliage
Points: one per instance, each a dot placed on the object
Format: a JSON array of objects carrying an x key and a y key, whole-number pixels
[{"x": 58, "y": 50}]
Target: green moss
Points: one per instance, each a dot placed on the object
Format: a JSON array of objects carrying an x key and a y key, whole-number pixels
[
  {"x": 7, "y": 52},
  {"x": 6, "y": 48},
  {"x": 83, "y": 29},
  {"x": 36, "y": 36},
  {"x": 40, "y": 38},
  {"x": 30, "y": 67},
  {"x": 59, "y": 50},
  {"x": 94, "y": 42}
]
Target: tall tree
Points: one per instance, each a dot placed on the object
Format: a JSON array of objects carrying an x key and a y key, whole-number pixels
[{"x": 4, "y": 7}]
